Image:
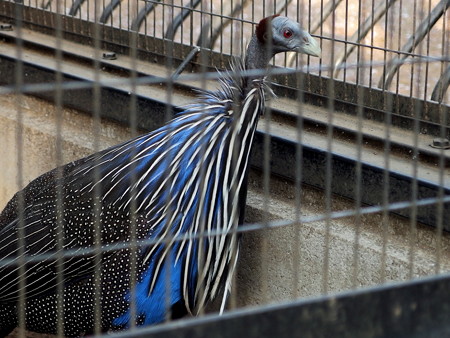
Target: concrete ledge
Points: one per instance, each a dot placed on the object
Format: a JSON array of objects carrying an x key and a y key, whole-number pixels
[{"x": 36, "y": 123}]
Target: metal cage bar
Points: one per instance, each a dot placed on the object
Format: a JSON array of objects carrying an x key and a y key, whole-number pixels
[
  {"x": 349, "y": 184},
  {"x": 416, "y": 38}
]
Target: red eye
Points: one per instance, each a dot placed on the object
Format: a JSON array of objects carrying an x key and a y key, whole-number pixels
[{"x": 287, "y": 33}]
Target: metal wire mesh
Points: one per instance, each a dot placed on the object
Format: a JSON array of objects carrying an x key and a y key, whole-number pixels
[
  {"x": 345, "y": 190},
  {"x": 379, "y": 35}
]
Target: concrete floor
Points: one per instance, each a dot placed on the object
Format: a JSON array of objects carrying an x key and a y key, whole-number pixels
[{"x": 276, "y": 264}]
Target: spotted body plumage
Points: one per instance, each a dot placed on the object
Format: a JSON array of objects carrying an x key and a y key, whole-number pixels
[{"x": 182, "y": 187}]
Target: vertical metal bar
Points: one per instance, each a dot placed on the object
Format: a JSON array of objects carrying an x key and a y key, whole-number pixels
[
  {"x": 168, "y": 160},
  {"x": 264, "y": 9},
  {"x": 185, "y": 18},
  {"x": 357, "y": 46},
  {"x": 309, "y": 22},
  {"x": 346, "y": 39},
  {"x": 211, "y": 31},
  {"x": 108, "y": 10},
  {"x": 363, "y": 29},
  {"x": 372, "y": 33},
  {"x": 241, "y": 27},
  {"x": 140, "y": 18},
  {"x": 419, "y": 33},
  {"x": 212, "y": 18},
  {"x": 414, "y": 39},
  {"x": 297, "y": 247},
  {"x": 322, "y": 18},
  {"x": 117, "y": 20},
  {"x": 328, "y": 166},
  {"x": 231, "y": 32},
  {"x": 222, "y": 24},
  {"x": 19, "y": 81},
  {"x": 414, "y": 183},
  {"x": 154, "y": 26},
  {"x": 281, "y": 8},
  {"x": 399, "y": 36},
  {"x": 97, "y": 200},
  {"x": 59, "y": 174},
  {"x": 359, "y": 145},
  {"x": 133, "y": 249},
  {"x": 177, "y": 22},
  {"x": 203, "y": 53},
  {"x": 266, "y": 191},
  {"x": 440, "y": 205},
  {"x": 427, "y": 48},
  {"x": 129, "y": 10},
  {"x": 388, "y": 37},
  {"x": 163, "y": 20},
  {"x": 203, "y": 270}
]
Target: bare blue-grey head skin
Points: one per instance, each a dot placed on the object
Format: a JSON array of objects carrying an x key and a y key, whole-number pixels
[{"x": 278, "y": 34}]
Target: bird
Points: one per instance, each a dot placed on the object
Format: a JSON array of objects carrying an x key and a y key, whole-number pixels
[{"x": 178, "y": 192}]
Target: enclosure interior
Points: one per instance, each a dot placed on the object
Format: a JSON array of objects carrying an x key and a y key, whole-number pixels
[{"x": 349, "y": 189}]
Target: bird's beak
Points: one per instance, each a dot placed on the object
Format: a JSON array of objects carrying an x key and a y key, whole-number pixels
[{"x": 309, "y": 46}]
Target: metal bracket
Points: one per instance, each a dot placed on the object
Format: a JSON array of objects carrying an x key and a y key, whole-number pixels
[
  {"x": 6, "y": 27},
  {"x": 440, "y": 143},
  {"x": 109, "y": 56}
]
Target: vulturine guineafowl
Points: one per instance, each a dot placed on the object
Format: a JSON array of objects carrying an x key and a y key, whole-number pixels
[{"x": 182, "y": 186}]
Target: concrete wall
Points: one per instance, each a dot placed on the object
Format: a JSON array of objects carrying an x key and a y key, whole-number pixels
[{"x": 276, "y": 264}]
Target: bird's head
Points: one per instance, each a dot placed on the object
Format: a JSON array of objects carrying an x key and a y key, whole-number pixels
[{"x": 282, "y": 34}]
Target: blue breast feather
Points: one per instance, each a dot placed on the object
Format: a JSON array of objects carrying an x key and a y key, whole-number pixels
[
  {"x": 166, "y": 168},
  {"x": 185, "y": 181}
]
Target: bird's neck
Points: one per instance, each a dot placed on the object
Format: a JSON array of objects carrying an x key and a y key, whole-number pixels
[{"x": 258, "y": 56}]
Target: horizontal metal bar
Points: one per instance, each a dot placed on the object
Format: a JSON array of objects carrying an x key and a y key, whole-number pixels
[
  {"x": 377, "y": 104},
  {"x": 151, "y": 113},
  {"x": 343, "y": 177},
  {"x": 242, "y": 229},
  {"x": 118, "y": 40},
  {"x": 376, "y": 139},
  {"x": 114, "y": 101},
  {"x": 410, "y": 309}
]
